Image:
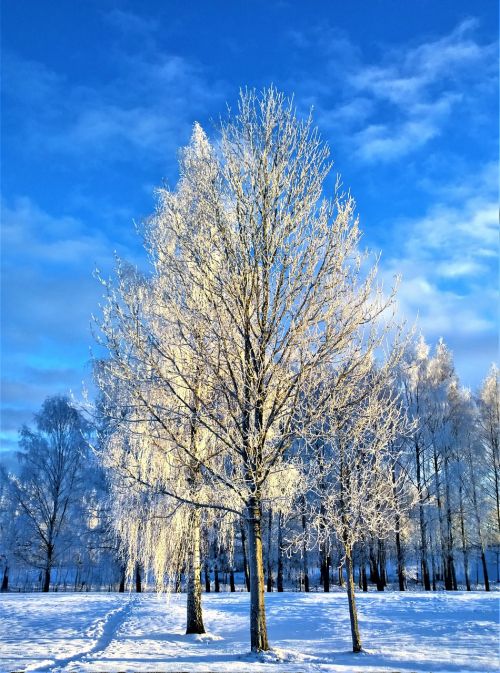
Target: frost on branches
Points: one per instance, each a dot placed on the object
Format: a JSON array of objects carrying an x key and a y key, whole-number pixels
[{"x": 255, "y": 319}]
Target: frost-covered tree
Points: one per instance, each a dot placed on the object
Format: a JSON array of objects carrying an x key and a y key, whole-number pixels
[
  {"x": 489, "y": 426},
  {"x": 49, "y": 485},
  {"x": 257, "y": 287},
  {"x": 8, "y": 529},
  {"x": 441, "y": 383},
  {"x": 413, "y": 380},
  {"x": 454, "y": 464},
  {"x": 426, "y": 381},
  {"x": 353, "y": 477}
]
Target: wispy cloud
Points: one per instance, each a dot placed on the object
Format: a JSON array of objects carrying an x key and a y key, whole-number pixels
[
  {"x": 391, "y": 108},
  {"x": 48, "y": 296},
  {"x": 448, "y": 261},
  {"x": 149, "y": 104}
]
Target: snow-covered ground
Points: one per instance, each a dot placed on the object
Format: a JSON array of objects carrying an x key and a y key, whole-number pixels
[{"x": 309, "y": 632}]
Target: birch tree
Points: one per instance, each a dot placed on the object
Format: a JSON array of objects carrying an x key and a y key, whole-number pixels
[
  {"x": 157, "y": 490},
  {"x": 362, "y": 496},
  {"x": 489, "y": 426},
  {"x": 257, "y": 283},
  {"x": 414, "y": 381}
]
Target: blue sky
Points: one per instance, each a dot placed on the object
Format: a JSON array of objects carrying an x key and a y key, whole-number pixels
[{"x": 98, "y": 95}]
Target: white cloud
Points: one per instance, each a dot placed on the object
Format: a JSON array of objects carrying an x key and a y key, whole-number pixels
[
  {"x": 448, "y": 263},
  {"x": 107, "y": 122},
  {"x": 48, "y": 296},
  {"x": 387, "y": 109}
]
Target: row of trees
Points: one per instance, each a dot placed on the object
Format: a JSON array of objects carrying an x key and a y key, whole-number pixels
[
  {"x": 59, "y": 529},
  {"x": 257, "y": 388}
]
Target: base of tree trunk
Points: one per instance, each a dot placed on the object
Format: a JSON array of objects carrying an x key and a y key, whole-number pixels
[{"x": 258, "y": 628}]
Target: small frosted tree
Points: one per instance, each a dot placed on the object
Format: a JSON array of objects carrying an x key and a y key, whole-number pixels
[
  {"x": 53, "y": 458},
  {"x": 355, "y": 492},
  {"x": 257, "y": 286}
]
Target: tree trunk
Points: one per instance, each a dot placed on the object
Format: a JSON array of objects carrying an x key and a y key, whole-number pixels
[
  {"x": 279, "y": 579},
  {"x": 485, "y": 570},
  {"x": 258, "y": 628},
  {"x": 231, "y": 580},
  {"x": 353, "y": 615},
  {"x": 207, "y": 578},
  {"x": 399, "y": 547},
  {"x": 48, "y": 568},
  {"x": 325, "y": 571},
  {"x": 194, "y": 621},
  {"x": 381, "y": 582},
  {"x": 423, "y": 527},
  {"x": 5, "y": 579},
  {"x": 450, "y": 561},
  {"x": 442, "y": 537},
  {"x": 374, "y": 576},
  {"x": 305, "y": 570},
  {"x": 245, "y": 559},
  {"x": 465, "y": 551},
  {"x": 433, "y": 562},
  {"x": 46, "y": 580},
  {"x": 364, "y": 578},
  {"x": 270, "y": 580},
  {"x": 216, "y": 578},
  {"x": 478, "y": 522},
  {"x": 138, "y": 581},
  {"x": 121, "y": 588},
  {"x": 400, "y": 558}
]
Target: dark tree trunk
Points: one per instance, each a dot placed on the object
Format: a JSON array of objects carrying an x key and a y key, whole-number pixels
[
  {"x": 442, "y": 537},
  {"x": 423, "y": 527},
  {"x": 353, "y": 615},
  {"x": 433, "y": 561},
  {"x": 138, "y": 580},
  {"x": 207, "y": 579},
  {"x": 5, "y": 579},
  {"x": 400, "y": 558},
  {"x": 485, "y": 570},
  {"x": 46, "y": 580},
  {"x": 381, "y": 583},
  {"x": 305, "y": 569},
  {"x": 325, "y": 571},
  {"x": 178, "y": 582},
  {"x": 121, "y": 588},
  {"x": 194, "y": 616},
  {"x": 399, "y": 546},
  {"x": 374, "y": 575},
  {"x": 231, "y": 581},
  {"x": 270, "y": 580},
  {"x": 245, "y": 559},
  {"x": 258, "y": 628},
  {"x": 279, "y": 578},
  {"x": 48, "y": 568},
  {"x": 216, "y": 578},
  {"x": 364, "y": 578}
]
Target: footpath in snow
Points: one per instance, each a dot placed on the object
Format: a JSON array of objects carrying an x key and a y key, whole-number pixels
[{"x": 423, "y": 633}]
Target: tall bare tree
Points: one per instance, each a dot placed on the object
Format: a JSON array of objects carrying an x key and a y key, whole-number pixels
[{"x": 257, "y": 285}]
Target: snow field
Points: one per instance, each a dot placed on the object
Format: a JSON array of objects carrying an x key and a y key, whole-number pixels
[{"x": 417, "y": 632}]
